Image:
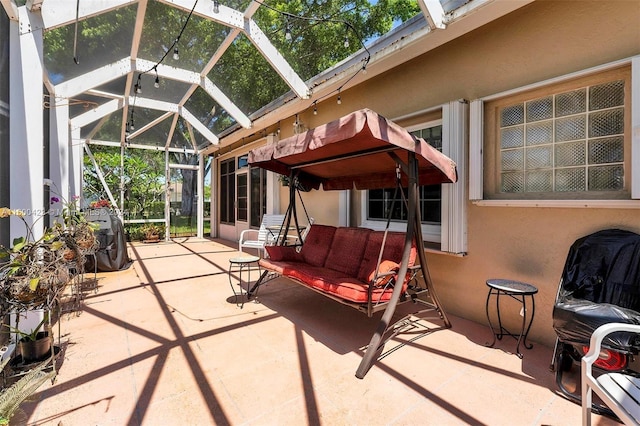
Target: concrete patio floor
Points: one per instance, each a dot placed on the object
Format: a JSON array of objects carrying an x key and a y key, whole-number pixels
[{"x": 164, "y": 343}]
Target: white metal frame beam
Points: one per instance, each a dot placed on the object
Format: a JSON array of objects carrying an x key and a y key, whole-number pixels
[
  {"x": 63, "y": 12},
  {"x": 434, "y": 13},
  {"x": 137, "y": 146}
]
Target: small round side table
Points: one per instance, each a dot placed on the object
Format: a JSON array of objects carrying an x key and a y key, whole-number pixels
[
  {"x": 238, "y": 265},
  {"x": 519, "y": 291}
]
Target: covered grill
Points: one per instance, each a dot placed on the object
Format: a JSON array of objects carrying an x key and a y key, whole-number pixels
[{"x": 600, "y": 284}]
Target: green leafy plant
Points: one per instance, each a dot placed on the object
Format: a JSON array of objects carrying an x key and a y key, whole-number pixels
[
  {"x": 152, "y": 231},
  {"x": 33, "y": 334},
  {"x": 11, "y": 397}
]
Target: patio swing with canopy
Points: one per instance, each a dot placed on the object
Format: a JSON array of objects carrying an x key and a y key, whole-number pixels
[{"x": 364, "y": 150}]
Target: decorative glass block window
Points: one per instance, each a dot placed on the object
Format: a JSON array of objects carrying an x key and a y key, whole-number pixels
[{"x": 569, "y": 142}]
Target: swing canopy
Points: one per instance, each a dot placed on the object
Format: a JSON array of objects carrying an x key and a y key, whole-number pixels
[{"x": 359, "y": 150}]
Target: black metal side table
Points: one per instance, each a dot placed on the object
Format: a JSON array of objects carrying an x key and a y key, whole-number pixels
[
  {"x": 236, "y": 266},
  {"x": 519, "y": 291}
]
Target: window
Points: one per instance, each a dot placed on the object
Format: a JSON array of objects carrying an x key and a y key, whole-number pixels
[
  {"x": 242, "y": 198},
  {"x": 227, "y": 191},
  {"x": 443, "y": 207},
  {"x": 568, "y": 140},
  {"x": 380, "y": 200},
  {"x": 258, "y": 185}
]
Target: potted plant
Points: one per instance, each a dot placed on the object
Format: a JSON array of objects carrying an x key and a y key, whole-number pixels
[
  {"x": 152, "y": 232},
  {"x": 32, "y": 272},
  {"x": 35, "y": 344}
]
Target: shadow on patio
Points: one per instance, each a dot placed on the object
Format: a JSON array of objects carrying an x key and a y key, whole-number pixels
[{"x": 163, "y": 342}]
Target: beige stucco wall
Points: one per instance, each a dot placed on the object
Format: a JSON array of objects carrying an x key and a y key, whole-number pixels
[{"x": 540, "y": 41}]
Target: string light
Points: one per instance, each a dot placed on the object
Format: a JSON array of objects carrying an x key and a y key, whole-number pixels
[
  {"x": 348, "y": 27},
  {"x": 138, "y": 86},
  {"x": 287, "y": 33}
]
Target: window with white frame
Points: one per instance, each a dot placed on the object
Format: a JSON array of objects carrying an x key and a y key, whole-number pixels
[
  {"x": 443, "y": 207},
  {"x": 564, "y": 140},
  {"x": 380, "y": 201}
]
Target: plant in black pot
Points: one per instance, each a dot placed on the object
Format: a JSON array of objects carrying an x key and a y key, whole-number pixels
[{"x": 35, "y": 345}]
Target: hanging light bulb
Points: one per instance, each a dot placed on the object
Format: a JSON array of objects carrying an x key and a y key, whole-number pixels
[
  {"x": 315, "y": 108},
  {"x": 339, "y": 99},
  {"x": 138, "y": 87},
  {"x": 157, "y": 83},
  {"x": 346, "y": 41},
  {"x": 176, "y": 55},
  {"x": 216, "y": 6},
  {"x": 132, "y": 127},
  {"x": 287, "y": 31}
]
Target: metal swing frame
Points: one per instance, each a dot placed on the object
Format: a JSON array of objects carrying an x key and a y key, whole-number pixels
[
  {"x": 364, "y": 150},
  {"x": 419, "y": 291}
]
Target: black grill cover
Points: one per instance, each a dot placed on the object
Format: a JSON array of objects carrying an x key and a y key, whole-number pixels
[
  {"x": 600, "y": 284},
  {"x": 112, "y": 254}
]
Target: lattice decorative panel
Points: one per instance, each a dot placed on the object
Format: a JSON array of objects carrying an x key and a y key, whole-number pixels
[
  {"x": 607, "y": 95},
  {"x": 570, "y": 128},
  {"x": 540, "y": 133},
  {"x": 569, "y": 103},
  {"x": 607, "y": 150},
  {"x": 606, "y": 178},
  {"x": 570, "y": 154},
  {"x": 512, "y": 159},
  {"x": 540, "y": 109},
  {"x": 606, "y": 123},
  {"x": 539, "y": 157},
  {"x": 540, "y": 181},
  {"x": 512, "y": 137},
  {"x": 512, "y": 115},
  {"x": 512, "y": 182},
  {"x": 570, "y": 180}
]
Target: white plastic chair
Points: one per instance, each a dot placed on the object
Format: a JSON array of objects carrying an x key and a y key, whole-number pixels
[
  {"x": 268, "y": 233},
  {"x": 619, "y": 391},
  {"x": 298, "y": 240}
]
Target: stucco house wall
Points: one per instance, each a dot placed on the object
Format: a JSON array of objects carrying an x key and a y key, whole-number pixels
[{"x": 540, "y": 41}]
